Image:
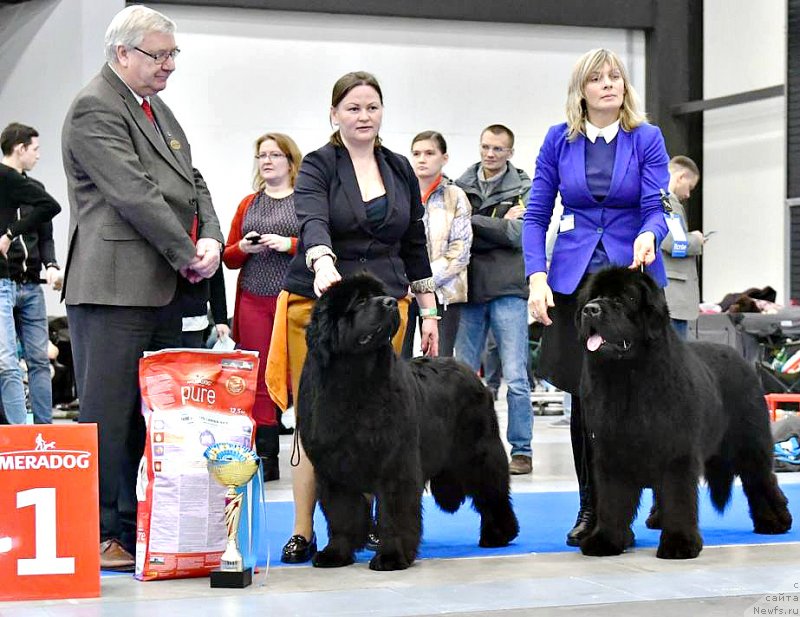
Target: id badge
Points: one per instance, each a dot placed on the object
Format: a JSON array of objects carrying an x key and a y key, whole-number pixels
[
  {"x": 680, "y": 243},
  {"x": 567, "y": 223}
]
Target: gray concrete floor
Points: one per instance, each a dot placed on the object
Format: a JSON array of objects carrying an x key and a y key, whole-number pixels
[{"x": 736, "y": 580}]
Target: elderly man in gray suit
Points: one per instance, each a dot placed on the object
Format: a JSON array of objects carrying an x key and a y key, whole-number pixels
[
  {"x": 683, "y": 290},
  {"x": 143, "y": 236}
]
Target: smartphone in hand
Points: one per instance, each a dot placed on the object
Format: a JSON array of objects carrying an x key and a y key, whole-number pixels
[{"x": 254, "y": 238}]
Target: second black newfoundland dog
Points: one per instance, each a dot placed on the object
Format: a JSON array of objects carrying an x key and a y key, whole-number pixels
[
  {"x": 373, "y": 423},
  {"x": 661, "y": 413}
]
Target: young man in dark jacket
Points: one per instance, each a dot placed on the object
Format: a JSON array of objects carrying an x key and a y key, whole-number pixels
[
  {"x": 497, "y": 287},
  {"x": 25, "y": 213}
]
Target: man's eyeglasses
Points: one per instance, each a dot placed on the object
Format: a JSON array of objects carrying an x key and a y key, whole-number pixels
[
  {"x": 161, "y": 56},
  {"x": 494, "y": 149},
  {"x": 272, "y": 156}
]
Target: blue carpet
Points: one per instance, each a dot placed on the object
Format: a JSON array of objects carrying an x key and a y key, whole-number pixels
[{"x": 544, "y": 520}]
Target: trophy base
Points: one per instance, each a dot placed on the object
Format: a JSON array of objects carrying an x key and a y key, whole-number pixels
[{"x": 232, "y": 580}]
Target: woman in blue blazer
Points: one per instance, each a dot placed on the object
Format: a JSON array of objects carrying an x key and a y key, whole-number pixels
[{"x": 608, "y": 165}]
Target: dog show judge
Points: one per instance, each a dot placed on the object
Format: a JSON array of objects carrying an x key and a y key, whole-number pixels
[{"x": 143, "y": 235}]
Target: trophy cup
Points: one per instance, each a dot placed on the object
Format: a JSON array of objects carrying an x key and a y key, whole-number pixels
[{"x": 232, "y": 465}]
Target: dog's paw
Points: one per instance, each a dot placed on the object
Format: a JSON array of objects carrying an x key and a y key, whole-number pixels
[
  {"x": 499, "y": 525},
  {"x": 393, "y": 561},
  {"x": 493, "y": 540},
  {"x": 679, "y": 545},
  {"x": 330, "y": 558},
  {"x": 493, "y": 536},
  {"x": 781, "y": 522},
  {"x": 630, "y": 539},
  {"x": 654, "y": 519},
  {"x": 600, "y": 544}
]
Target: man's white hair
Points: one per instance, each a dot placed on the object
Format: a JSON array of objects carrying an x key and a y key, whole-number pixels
[{"x": 131, "y": 25}]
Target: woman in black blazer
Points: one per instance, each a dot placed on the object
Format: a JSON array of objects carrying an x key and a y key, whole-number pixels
[{"x": 359, "y": 208}]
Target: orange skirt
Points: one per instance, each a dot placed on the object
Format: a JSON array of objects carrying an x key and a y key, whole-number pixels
[{"x": 288, "y": 347}]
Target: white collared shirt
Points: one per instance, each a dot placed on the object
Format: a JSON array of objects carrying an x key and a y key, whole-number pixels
[
  {"x": 608, "y": 132},
  {"x": 138, "y": 98}
]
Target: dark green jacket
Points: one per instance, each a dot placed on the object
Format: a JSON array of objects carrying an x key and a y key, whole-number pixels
[{"x": 496, "y": 267}]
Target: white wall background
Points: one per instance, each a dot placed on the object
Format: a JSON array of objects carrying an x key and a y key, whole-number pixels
[
  {"x": 744, "y": 149},
  {"x": 245, "y": 72},
  {"x": 48, "y": 50}
]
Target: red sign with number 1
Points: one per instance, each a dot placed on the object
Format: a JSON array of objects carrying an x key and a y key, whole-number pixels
[{"x": 49, "y": 526}]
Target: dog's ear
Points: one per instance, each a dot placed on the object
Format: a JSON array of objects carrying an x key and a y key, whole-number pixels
[
  {"x": 321, "y": 331},
  {"x": 654, "y": 308}
]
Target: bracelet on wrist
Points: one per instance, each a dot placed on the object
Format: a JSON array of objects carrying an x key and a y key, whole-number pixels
[
  {"x": 436, "y": 317},
  {"x": 315, "y": 252},
  {"x": 428, "y": 312},
  {"x": 321, "y": 261}
]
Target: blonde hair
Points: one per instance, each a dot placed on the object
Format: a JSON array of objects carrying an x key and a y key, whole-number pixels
[
  {"x": 293, "y": 156},
  {"x": 630, "y": 114}
]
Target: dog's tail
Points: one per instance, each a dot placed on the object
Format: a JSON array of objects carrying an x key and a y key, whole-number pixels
[
  {"x": 719, "y": 476},
  {"x": 448, "y": 491}
]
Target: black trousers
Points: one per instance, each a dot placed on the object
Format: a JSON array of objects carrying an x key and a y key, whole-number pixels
[
  {"x": 581, "y": 453},
  {"x": 193, "y": 339},
  {"x": 107, "y": 343},
  {"x": 560, "y": 363}
]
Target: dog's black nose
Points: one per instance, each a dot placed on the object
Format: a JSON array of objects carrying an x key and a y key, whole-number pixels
[
  {"x": 591, "y": 309},
  {"x": 388, "y": 302}
]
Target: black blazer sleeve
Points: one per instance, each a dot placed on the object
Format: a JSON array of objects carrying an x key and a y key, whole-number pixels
[
  {"x": 20, "y": 190},
  {"x": 311, "y": 197},
  {"x": 413, "y": 245},
  {"x": 47, "y": 247},
  {"x": 45, "y": 242}
]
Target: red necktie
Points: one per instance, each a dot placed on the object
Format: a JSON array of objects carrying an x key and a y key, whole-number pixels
[{"x": 148, "y": 111}]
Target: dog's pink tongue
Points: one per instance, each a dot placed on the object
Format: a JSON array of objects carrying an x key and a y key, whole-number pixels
[{"x": 593, "y": 342}]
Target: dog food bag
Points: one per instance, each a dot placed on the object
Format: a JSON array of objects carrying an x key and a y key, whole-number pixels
[{"x": 191, "y": 399}]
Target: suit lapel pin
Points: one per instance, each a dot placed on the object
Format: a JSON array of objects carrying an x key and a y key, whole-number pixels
[{"x": 174, "y": 144}]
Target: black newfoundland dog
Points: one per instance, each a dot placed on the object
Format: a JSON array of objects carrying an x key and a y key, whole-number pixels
[
  {"x": 661, "y": 413},
  {"x": 373, "y": 423}
]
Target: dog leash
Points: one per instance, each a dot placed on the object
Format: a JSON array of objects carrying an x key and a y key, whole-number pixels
[{"x": 294, "y": 459}]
